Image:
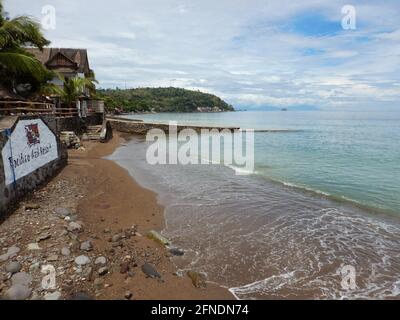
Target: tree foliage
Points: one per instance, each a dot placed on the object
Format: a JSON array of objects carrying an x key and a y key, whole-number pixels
[
  {"x": 17, "y": 66},
  {"x": 162, "y": 100}
]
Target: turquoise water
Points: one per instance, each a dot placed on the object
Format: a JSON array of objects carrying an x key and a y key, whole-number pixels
[
  {"x": 349, "y": 156},
  {"x": 324, "y": 195}
]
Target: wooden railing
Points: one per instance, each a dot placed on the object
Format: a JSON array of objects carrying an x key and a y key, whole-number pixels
[
  {"x": 29, "y": 108},
  {"x": 25, "y": 107}
]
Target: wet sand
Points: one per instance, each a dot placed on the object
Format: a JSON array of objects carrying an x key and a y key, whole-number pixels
[{"x": 115, "y": 201}]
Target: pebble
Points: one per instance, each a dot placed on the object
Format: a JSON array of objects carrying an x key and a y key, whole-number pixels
[
  {"x": 21, "y": 278},
  {"x": 52, "y": 296},
  {"x": 52, "y": 258},
  {"x": 43, "y": 236},
  {"x": 32, "y": 206},
  {"x": 65, "y": 252},
  {"x": 33, "y": 246},
  {"x": 74, "y": 227},
  {"x": 103, "y": 271},
  {"x": 124, "y": 267},
  {"x": 62, "y": 212},
  {"x": 128, "y": 295},
  {"x": 150, "y": 271},
  {"x": 80, "y": 296},
  {"x": 100, "y": 261},
  {"x": 11, "y": 253},
  {"x": 13, "y": 267},
  {"x": 18, "y": 292},
  {"x": 116, "y": 238},
  {"x": 87, "y": 246},
  {"x": 82, "y": 260},
  {"x": 98, "y": 283},
  {"x": 176, "y": 252}
]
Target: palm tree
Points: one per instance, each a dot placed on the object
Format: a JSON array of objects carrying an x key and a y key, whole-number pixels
[
  {"x": 15, "y": 62},
  {"x": 73, "y": 89}
]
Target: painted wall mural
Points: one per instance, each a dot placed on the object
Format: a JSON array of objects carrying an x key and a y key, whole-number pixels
[{"x": 30, "y": 146}]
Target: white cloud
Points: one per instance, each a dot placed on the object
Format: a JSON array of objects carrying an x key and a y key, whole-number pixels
[{"x": 234, "y": 48}]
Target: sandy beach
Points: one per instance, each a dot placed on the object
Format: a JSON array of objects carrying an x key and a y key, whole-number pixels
[{"x": 107, "y": 203}]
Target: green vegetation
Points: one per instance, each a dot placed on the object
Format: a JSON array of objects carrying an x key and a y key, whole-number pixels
[
  {"x": 161, "y": 100},
  {"x": 17, "y": 66}
]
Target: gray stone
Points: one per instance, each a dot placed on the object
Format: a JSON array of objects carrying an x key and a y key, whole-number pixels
[
  {"x": 103, "y": 271},
  {"x": 116, "y": 238},
  {"x": 100, "y": 261},
  {"x": 13, "y": 267},
  {"x": 52, "y": 258},
  {"x": 80, "y": 296},
  {"x": 62, "y": 212},
  {"x": 87, "y": 273},
  {"x": 150, "y": 271},
  {"x": 33, "y": 247},
  {"x": 176, "y": 252},
  {"x": 43, "y": 236},
  {"x": 86, "y": 246},
  {"x": 74, "y": 227},
  {"x": 35, "y": 266},
  {"x": 98, "y": 283},
  {"x": 82, "y": 260},
  {"x": 21, "y": 278},
  {"x": 18, "y": 292},
  {"x": 65, "y": 251},
  {"x": 52, "y": 296},
  {"x": 11, "y": 253}
]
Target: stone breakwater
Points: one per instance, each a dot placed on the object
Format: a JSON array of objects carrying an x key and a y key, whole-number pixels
[{"x": 139, "y": 127}]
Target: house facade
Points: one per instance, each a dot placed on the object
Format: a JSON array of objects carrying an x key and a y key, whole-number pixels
[{"x": 70, "y": 63}]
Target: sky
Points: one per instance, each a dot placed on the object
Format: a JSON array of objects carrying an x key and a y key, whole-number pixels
[{"x": 251, "y": 53}]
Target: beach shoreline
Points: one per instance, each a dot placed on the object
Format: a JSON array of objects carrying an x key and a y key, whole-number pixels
[{"x": 106, "y": 202}]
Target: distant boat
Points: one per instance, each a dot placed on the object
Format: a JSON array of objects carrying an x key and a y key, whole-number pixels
[{"x": 284, "y": 109}]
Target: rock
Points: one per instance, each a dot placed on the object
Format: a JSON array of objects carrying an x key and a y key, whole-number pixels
[
  {"x": 43, "y": 236},
  {"x": 103, "y": 271},
  {"x": 65, "y": 251},
  {"x": 52, "y": 296},
  {"x": 128, "y": 295},
  {"x": 100, "y": 261},
  {"x": 98, "y": 283},
  {"x": 198, "y": 279},
  {"x": 31, "y": 206},
  {"x": 116, "y": 238},
  {"x": 154, "y": 235},
  {"x": 11, "y": 253},
  {"x": 18, "y": 292},
  {"x": 82, "y": 260},
  {"x": 52, "y": 258},
  {"x": 124, "y": 267},
  {"x": 62, "y": 212},
  {"x": 74, "y": 227},
  {"x": 176, "y": 252},
  {"x": 87, "y": 246},
  {"x": 13, "y": 267},
  {"x": 33, "y": 247},
  {"x": 88, "y": 273},
  {"x": 21, "y": 278},
  {"x": 150, "y": 271},
  {"x": 106, "y": 231},
  {"x": 80, "y": 296},
  {"x": 33, "y": 267}
]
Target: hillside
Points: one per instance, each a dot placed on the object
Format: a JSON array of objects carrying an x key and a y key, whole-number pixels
[{"x": 162, "y": 100}]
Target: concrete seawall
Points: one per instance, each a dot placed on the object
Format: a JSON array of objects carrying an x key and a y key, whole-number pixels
[{"x": 141, "y": 128}]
